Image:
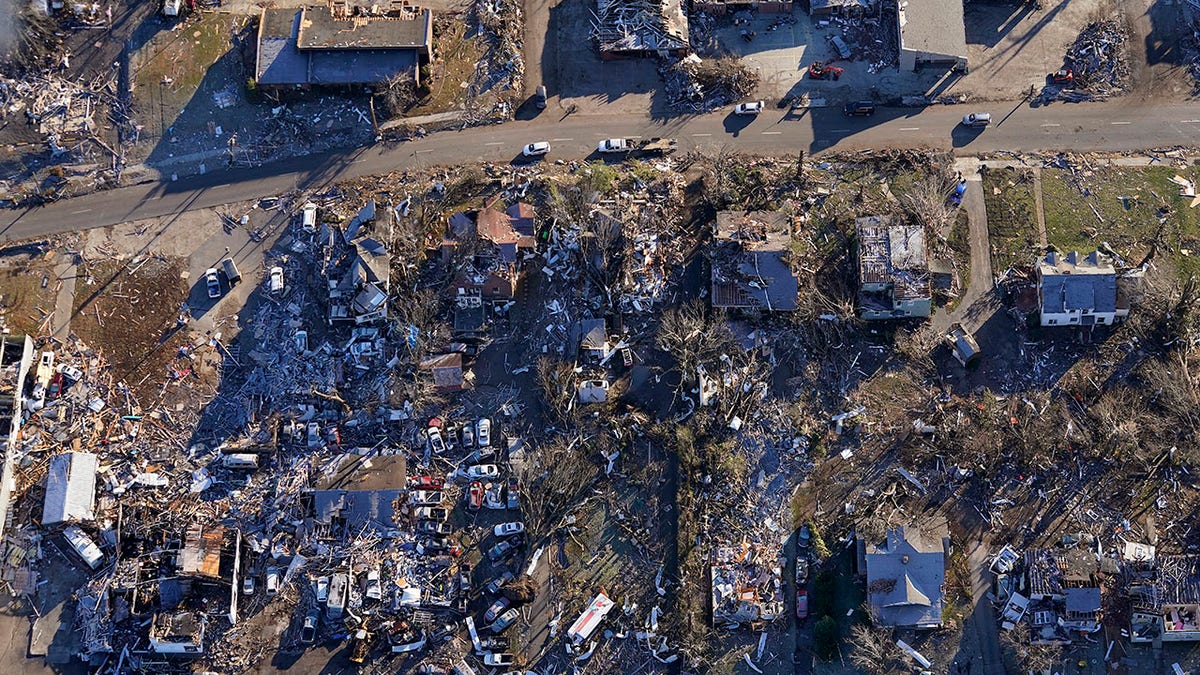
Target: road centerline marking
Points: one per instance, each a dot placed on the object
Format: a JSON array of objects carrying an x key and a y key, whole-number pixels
[
  {"x": 1119, "y": 123},
  {"x": 495, "y": 143},
  {"x": 561, "y": 140},
  {"x": 910, "y": 128},
  {"x": 771, "y": 133},
  {"x": 702, "y": 134},
  {"x": 75, "y": 213},
  {"x": 1051, "y": 124}
]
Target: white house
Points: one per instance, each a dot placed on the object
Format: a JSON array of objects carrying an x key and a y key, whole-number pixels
[{"x": 1080, "y": 291}]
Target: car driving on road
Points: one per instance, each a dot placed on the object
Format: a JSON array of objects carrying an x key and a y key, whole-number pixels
[
  {"x": 536, "y": 149},
  {"x": 748, "y": 108}
]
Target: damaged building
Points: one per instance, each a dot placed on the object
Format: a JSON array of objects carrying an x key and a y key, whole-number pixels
[
  {"x": 360, "y": 276},
  {"x": 340, "y": 45},
  {"x": 627, "y": 28},
  {"x": 751, "y": 262},
  {"x": 893, "y": 269},
  {"x": 905, "y": 574},
  {"x": 489, "y": 247},
  {"x": 1075, "y": 290},
  {"x": 1166, "y": 601},
  {"x": 747, "y": 587},
  {"x": 1064, "y": 591}
]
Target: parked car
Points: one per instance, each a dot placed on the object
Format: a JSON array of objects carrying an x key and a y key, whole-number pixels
[
  {"x": 475, "y": 495},
  {"x": 322, "y": 587},
  {"x": 442, "y": 546},
  {"x": 468, "y": 436},
  {"x": 248, "y": 585},
  {"x": 514, "y": 495},
  {"x": 504, "y": 621},
  {"x": 498, "y": 659},
  {"x": 496, "y": 609},
  {"x": 426, "y": 482},
  {"x": 272, "y": 581},
  {"x": 539, "y": 97},
  {"x": 483, "y": 471},
  {"x": 499, "y": 582},
  {"x": 308, "y": 633},
  {"x": 425, "y": 497},
  {"x": 483, "y": 432},
  {"x": 748, "y": 108},
  {"x": 977, "y": 120},
  {"x": 804, "y": 538},
  {"x": 212, "y": 281},
  {"x": 436, "y": 445},
  {"x": 504, "y": 548},
  {"x": 859, "y": 108},
  {"x": 432, "y": 513},
  {"x": 801, "y": 570},
  {"x": 275, "y": 281},
  {"x": 508, "y": 529},
  {"x": 802, "y": 603},
  {"x": 536, "y": 149},
  {"x": 373, "y": 588},
  {"x": 431, "y": 527},
  {"x": 492, "y": 497},
  {"x": 464, "y": 577}
]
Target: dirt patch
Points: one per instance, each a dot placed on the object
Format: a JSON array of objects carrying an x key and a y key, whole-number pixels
[{"x": 126, "y": 309}]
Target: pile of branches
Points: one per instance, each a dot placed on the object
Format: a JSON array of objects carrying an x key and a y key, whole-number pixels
[{"x": 695, "y": 85}]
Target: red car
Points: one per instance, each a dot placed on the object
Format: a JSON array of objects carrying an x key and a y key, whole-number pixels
[
  {"x": 802, "y": 603},
  {"x": 475, "y": 495},
  {"x": 426, "y": 482}
]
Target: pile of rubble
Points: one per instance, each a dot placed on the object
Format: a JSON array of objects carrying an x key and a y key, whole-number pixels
[
  {"x": 502, "y": 69},
  {"x": 1099, "y": 58},
  {"x": 693, "y": 84},
  {"x": 635, "y": 27}
]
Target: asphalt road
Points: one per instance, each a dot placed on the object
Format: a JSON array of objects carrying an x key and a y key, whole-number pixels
[{"x": 1112, "y": 126}]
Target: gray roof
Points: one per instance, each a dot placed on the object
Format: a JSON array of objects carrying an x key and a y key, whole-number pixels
[
  {"x": 365, "y": 508},
  {"x": 307, "y": 46},
  {"x": 70, "y": 488},
  {"x": 933, "y": 26},
  {"x": 1083, "y": 599},
  {"x": 1076, "y": 283},
  {"x": 750, "y": 261},
  {"x": 904, "y": 579},
  {"x": 320, "y": 30},
  {"x": 593, "y": 335}
]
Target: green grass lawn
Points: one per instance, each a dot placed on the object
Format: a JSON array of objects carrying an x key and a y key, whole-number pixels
[
  {"x": 1127, "y": 207},
  {"x": 1011, "y": 216}
]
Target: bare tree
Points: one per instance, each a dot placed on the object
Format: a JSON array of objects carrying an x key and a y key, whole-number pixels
[
  {"x": 558, "y": 475},
  {"x": 1030, "y": 657},
  {"x": 557, "y": 381},
  {"x": 693, "y": 337},
  {"x": 927, "y": 202},
  {"x": 874, "y": 651}
]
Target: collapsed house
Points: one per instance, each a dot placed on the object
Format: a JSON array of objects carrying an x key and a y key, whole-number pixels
[
  {"x": 360, "y": 276},
  {"x": 490, "y": 245},
  {"x": 751, "y": 262},
  {"x": 931, "y": 33},
  {"x": 893, "y": 270},
  {"x": 723, "y": 7},
  {"x": 1083, "y": 291},
  {"x": 846, "y": 8},
  {"x": 1166, "y": 600},
  {"x": 905, "y": 576},
  {"x": 625, "y": 28},
  {"x": 747, "y": 587},
  {"x": 356, "y": 493},
  {"x": 16, "y": 359},
  {"x": 1063, "y": 588},
  {"x": 339, "y": 45}
]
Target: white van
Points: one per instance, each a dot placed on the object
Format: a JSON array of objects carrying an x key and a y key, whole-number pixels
[
  {"x": 240, "y": 461},
  {"x": 84, "y": 546}
]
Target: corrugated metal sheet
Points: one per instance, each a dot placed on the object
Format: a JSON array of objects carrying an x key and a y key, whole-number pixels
[{"x": 70, "y": 488}]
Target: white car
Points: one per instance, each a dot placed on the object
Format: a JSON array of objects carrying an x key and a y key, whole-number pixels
[
  {"x": 614, "y": 145},
  {"x": 748, "y": 108},
  {"x": 498, "y": 659},
  {"x": 212, "y": 281},
  {"x": 374, "y": 589},
  {"x": 436, "y": 444},
  {"x": 508, "y": 529},
  {"x": 468, "y": 436},
  {"x": 480, "y": 471},
  {"x": 272, "y": 581},
  {"x": 322, "y": 589},
  {"x": 977, "y": 120},
  {"x": 425, "y": 497},
  {"x": 483, "y": 432},
  {"x": 536, "y": 149},
  {"x": 84, "y": 546},
  {"x": 248, "y": 585},
  {"x": 275, "y": 282}
]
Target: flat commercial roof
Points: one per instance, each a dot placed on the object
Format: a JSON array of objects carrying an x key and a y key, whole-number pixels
[
  {"x": 933, "y": 27},
  {"x": 320, "y": 30}
]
